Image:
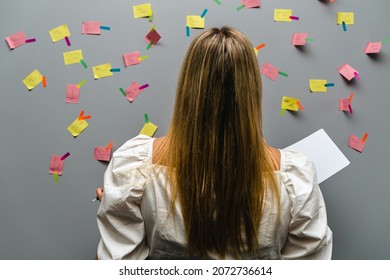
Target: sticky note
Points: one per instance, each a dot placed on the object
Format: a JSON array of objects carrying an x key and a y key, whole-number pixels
[
  {"x": 270, "y": 71},
  {"x": 16, "y": 40},
  {"x": 299, "y": 39},
  {"x": 72, "y": 94},
  {"x": 152, "y": 36},
  {"x": 33, "y": 79},
  {"x": 317, "y": 85},
  {"x": 195, "y": 22},
  {"x": 347, "y": 18},
  {"x": 73, "y": 57},
  {"x": 91, "y": 27},
  {"x": 132, "y": 58},
  {"x": 251, "y": 3},
  {"x": 290, "y": 103},
  {"x": 356, "y": 143},
  {"x": 144, "y": 10},
  {"x": 101, "y": 71},
  {"x": 347, "y": 71},
  {"x": 59, "y": 33},
  {"x": 102, "y": 154},
  {"x": 373, "y": 47},
  {"x": 282, "y": 15},
  {"x": 149, "y": 129},
  {"x": 78, "y": 126},
  {"x": 56, "y": 165},
  {"x": 132, "y": 91}
]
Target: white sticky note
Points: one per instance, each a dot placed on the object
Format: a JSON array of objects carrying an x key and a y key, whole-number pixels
[{"x": 320, "y": 148}]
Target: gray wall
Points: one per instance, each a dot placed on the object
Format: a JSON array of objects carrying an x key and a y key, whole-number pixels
[{"x": 41, "y": 219}]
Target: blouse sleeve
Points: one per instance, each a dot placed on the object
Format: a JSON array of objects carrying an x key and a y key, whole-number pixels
[
  {"x": 309, "y": 236},
  {"x": 119, "y": 217}
]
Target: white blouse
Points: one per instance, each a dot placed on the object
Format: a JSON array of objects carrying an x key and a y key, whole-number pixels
[{"x": 135, "y": 221}]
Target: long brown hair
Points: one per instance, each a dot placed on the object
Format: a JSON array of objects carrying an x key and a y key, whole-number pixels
[{"x": 219, "y": 164}]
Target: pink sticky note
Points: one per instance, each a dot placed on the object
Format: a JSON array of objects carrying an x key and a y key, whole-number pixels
[
  {"x": 72, "y": 93},
  {"x": 91, "y": 27},
  {"x": 100, "y": 153},
  {"x": 251, "y": 3},
  {"x": 299, "y": 39},
  {"x": 131, "y": 58},
  {"x": 16, "y": 40},
  {"x": 373, "y": 47},
  {"x": 344, "y": 104},
  {"x": 132, "y": 91},
  {"x": 356, "y": 143},
  {"x": 347, "y": 71},
  {"x": 270, "y": 71},
  {"x": 152, "y": 36},
  {"x": 56, "y": 164}
]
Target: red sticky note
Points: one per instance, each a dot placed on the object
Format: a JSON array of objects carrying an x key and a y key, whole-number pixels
[
  {"x": 299, "y": 39},
  {"x": 344, "y": 104},
  {"x": 132, "y": 91},
  {"x": 16, "y": 40},
  {"x": 152, "y": 36},
  {"x": 251, "y": 3},
  {"x": 102, "y": 154},
  {"x": 72, "y": 93},
  {"x": 91, "y": 27},
  {"x": 373, "y": 47},
  {"x": 131, "y": 58},
  {"x": 356, "y": 143},
  {"x": 270, "y": 71},
  {"x": 347, "y": 71},
  {"x": 56, "y": 164}
]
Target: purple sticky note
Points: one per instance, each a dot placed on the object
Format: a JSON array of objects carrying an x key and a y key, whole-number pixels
[
  {"x": 91, "y": 27},
  {"x": 56, "y": 164},
  {"x": 131, "y": 58},
  {"x": 16, "y": 40},
  {"x": 72, "y": 94},
  {"x": 132, "y": 91},
  {"x": 270, "y": 71}
]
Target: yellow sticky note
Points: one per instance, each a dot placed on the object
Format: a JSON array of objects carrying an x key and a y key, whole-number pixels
[
  {"x": 256, "y": 51},
  {"x": 317, "y": 85},
  {"x": 101, "y": 71},
  {"x": 289, "y": 103},
  {"x": 282, "y": 15},
  {"x": 195, "y": 21},
  {"x": 76, "y": 127},
  {"x": 149, "y": 129},
  {"x": 73, "y": 57},
  {"x": 33, "y": 79},
  {"x": 59, "y": 33},
  {"x": 348, "y": 18},
  {"x": 144, "y": 10}
]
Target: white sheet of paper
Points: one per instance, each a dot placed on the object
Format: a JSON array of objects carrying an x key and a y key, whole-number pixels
[{"x": 326, "y": 156}]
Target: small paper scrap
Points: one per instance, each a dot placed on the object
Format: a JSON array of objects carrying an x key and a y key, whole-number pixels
[
  {"x": 56, "y": 165},
  {"x": 318, "y": 85},
  {"x": 59, "y": 33},
  {"x": 73, "y": 57},
  {"x": 195, "y": 22},
  {"x": 282, "y": 15},
  {"x": 16, "y": 40},
  {"x": 141, "y": 11},
  {"x": 91, "y": 28},
  {"x": 299, "y": 39},
  {"x": 72, "y": 94},
  {"x": 270, "y": 71},
  {"x": 347, "y": 18},
  {"x": 348, "y": 72},
  {"x": 149, "y": 129},
  {"x": 373, "y": 47},
  {"x": 33, "y": 79},
  {"x": 101, "y": 71}
]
